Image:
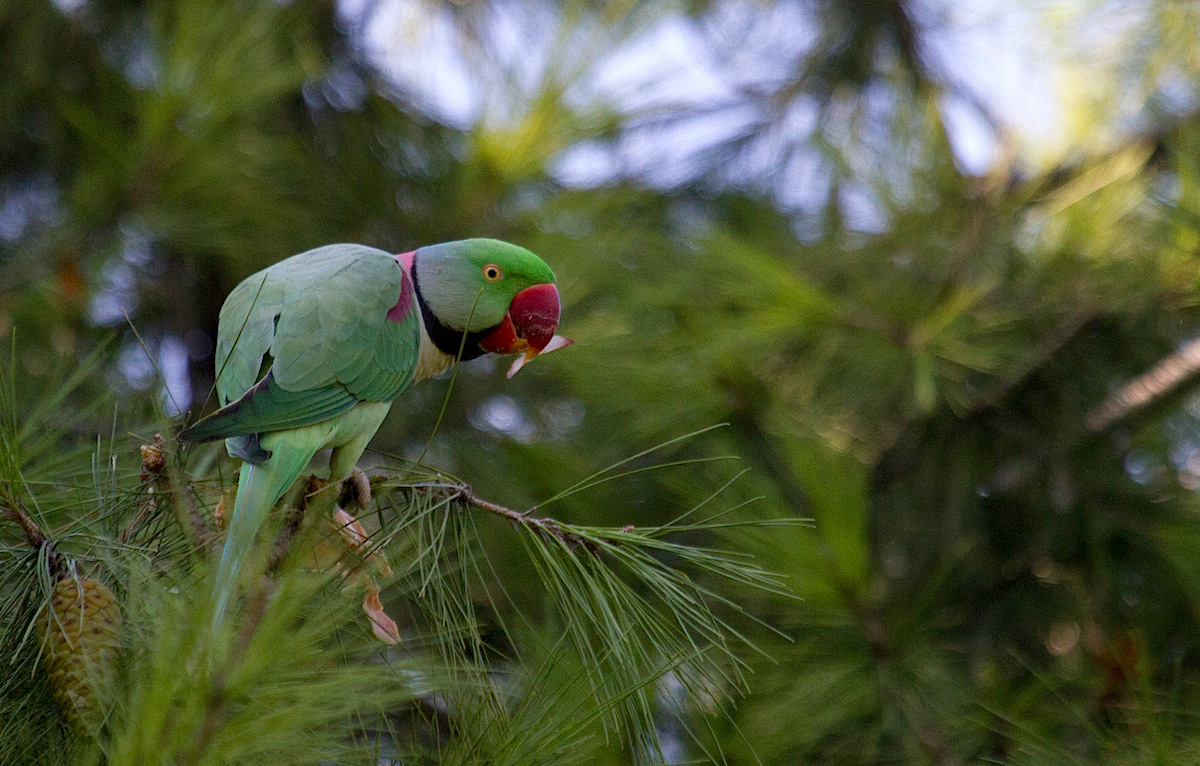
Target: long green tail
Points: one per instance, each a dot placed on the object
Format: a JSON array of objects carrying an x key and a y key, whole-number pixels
[{"x": 259, "y": 487}]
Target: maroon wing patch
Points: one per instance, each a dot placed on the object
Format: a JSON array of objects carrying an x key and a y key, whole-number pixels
[{"x": 403, "y": 307}]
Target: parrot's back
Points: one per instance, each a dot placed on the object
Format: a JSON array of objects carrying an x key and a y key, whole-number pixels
[{"x": 308, "y": 338}]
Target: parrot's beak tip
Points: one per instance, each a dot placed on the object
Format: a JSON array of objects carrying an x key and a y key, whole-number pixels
[{"x": 555, "y": 344}]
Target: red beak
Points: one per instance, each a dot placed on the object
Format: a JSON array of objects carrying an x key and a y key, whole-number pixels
[{"x": 528, "y": 327}]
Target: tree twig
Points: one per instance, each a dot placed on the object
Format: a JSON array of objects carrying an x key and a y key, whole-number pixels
[
  {"x": 1046, "y": 347},
  {"x": 1144, "y": 390},
  {"x": 158, "y": 483},
  {"x": 34, "y": 535},
  {"x": 543, "y": 524},
  {"x": 294, "y": 521}
]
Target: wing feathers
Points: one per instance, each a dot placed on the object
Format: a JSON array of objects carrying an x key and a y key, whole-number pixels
[
  {"x": 267, "y": 407},
  {"x": 336, "y": 324}
]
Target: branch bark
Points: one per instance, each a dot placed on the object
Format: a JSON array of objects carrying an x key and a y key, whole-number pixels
[
  {"x": 1141, "y": 392},
  {"x": 159, "y": 485},
  {"x": 34, "y": 535},
  {"x": 544, "y": 524}
]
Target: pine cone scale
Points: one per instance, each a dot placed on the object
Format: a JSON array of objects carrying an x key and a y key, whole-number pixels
[{"x": 80, "y": 633}]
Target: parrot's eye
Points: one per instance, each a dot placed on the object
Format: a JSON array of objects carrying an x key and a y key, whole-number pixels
[{"x": 492, "y": 273}]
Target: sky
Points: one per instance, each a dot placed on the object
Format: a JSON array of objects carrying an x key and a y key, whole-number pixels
[
  {"x": 1032, "y": 82},
  {"x": 1020, "y": 61}
]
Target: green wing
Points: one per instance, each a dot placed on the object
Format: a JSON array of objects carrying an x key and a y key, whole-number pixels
[{"x": 336, "y": 326}]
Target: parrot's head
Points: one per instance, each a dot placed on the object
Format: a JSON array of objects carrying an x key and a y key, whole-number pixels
[{"x": 501, "y": 296}]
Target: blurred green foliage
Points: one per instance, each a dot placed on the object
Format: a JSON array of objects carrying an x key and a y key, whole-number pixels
[{"x": 989, "y": 578}]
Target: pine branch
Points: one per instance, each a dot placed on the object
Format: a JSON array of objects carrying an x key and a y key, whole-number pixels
[
  {"x": 158, "y": 484},
  {"x": 1045, "y": 348},
  {"x": 544, "y": 524},
  {"x": 1143, "y": 391},
  {"x": 294, "y": 521},
  {"x": 34, "y": 535}
]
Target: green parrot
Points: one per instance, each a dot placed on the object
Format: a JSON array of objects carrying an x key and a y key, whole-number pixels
[{"x": 312, "y": 350}]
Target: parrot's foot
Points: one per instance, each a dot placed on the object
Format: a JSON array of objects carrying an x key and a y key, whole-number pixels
[
  {"x": 383, "y": 626},
  {"x": 221, "y": 513},
  {"x": 354, "y": 538},
  {"x": 356, "y": 490}
]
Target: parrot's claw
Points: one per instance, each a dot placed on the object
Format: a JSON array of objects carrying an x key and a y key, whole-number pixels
[
  {"x": 220, "y": 514},
  {"x": 356, "y": 489},
  {"x": 355, "y": 540},
  {"x": 383, "y": 626},
  {"x": 354, "y": 535}
]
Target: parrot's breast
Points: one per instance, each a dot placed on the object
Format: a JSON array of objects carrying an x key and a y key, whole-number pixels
[{"x": 431, "y": 361}]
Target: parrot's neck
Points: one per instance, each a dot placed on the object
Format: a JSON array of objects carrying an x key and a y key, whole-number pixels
[{"x": 431, "y": 359}]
